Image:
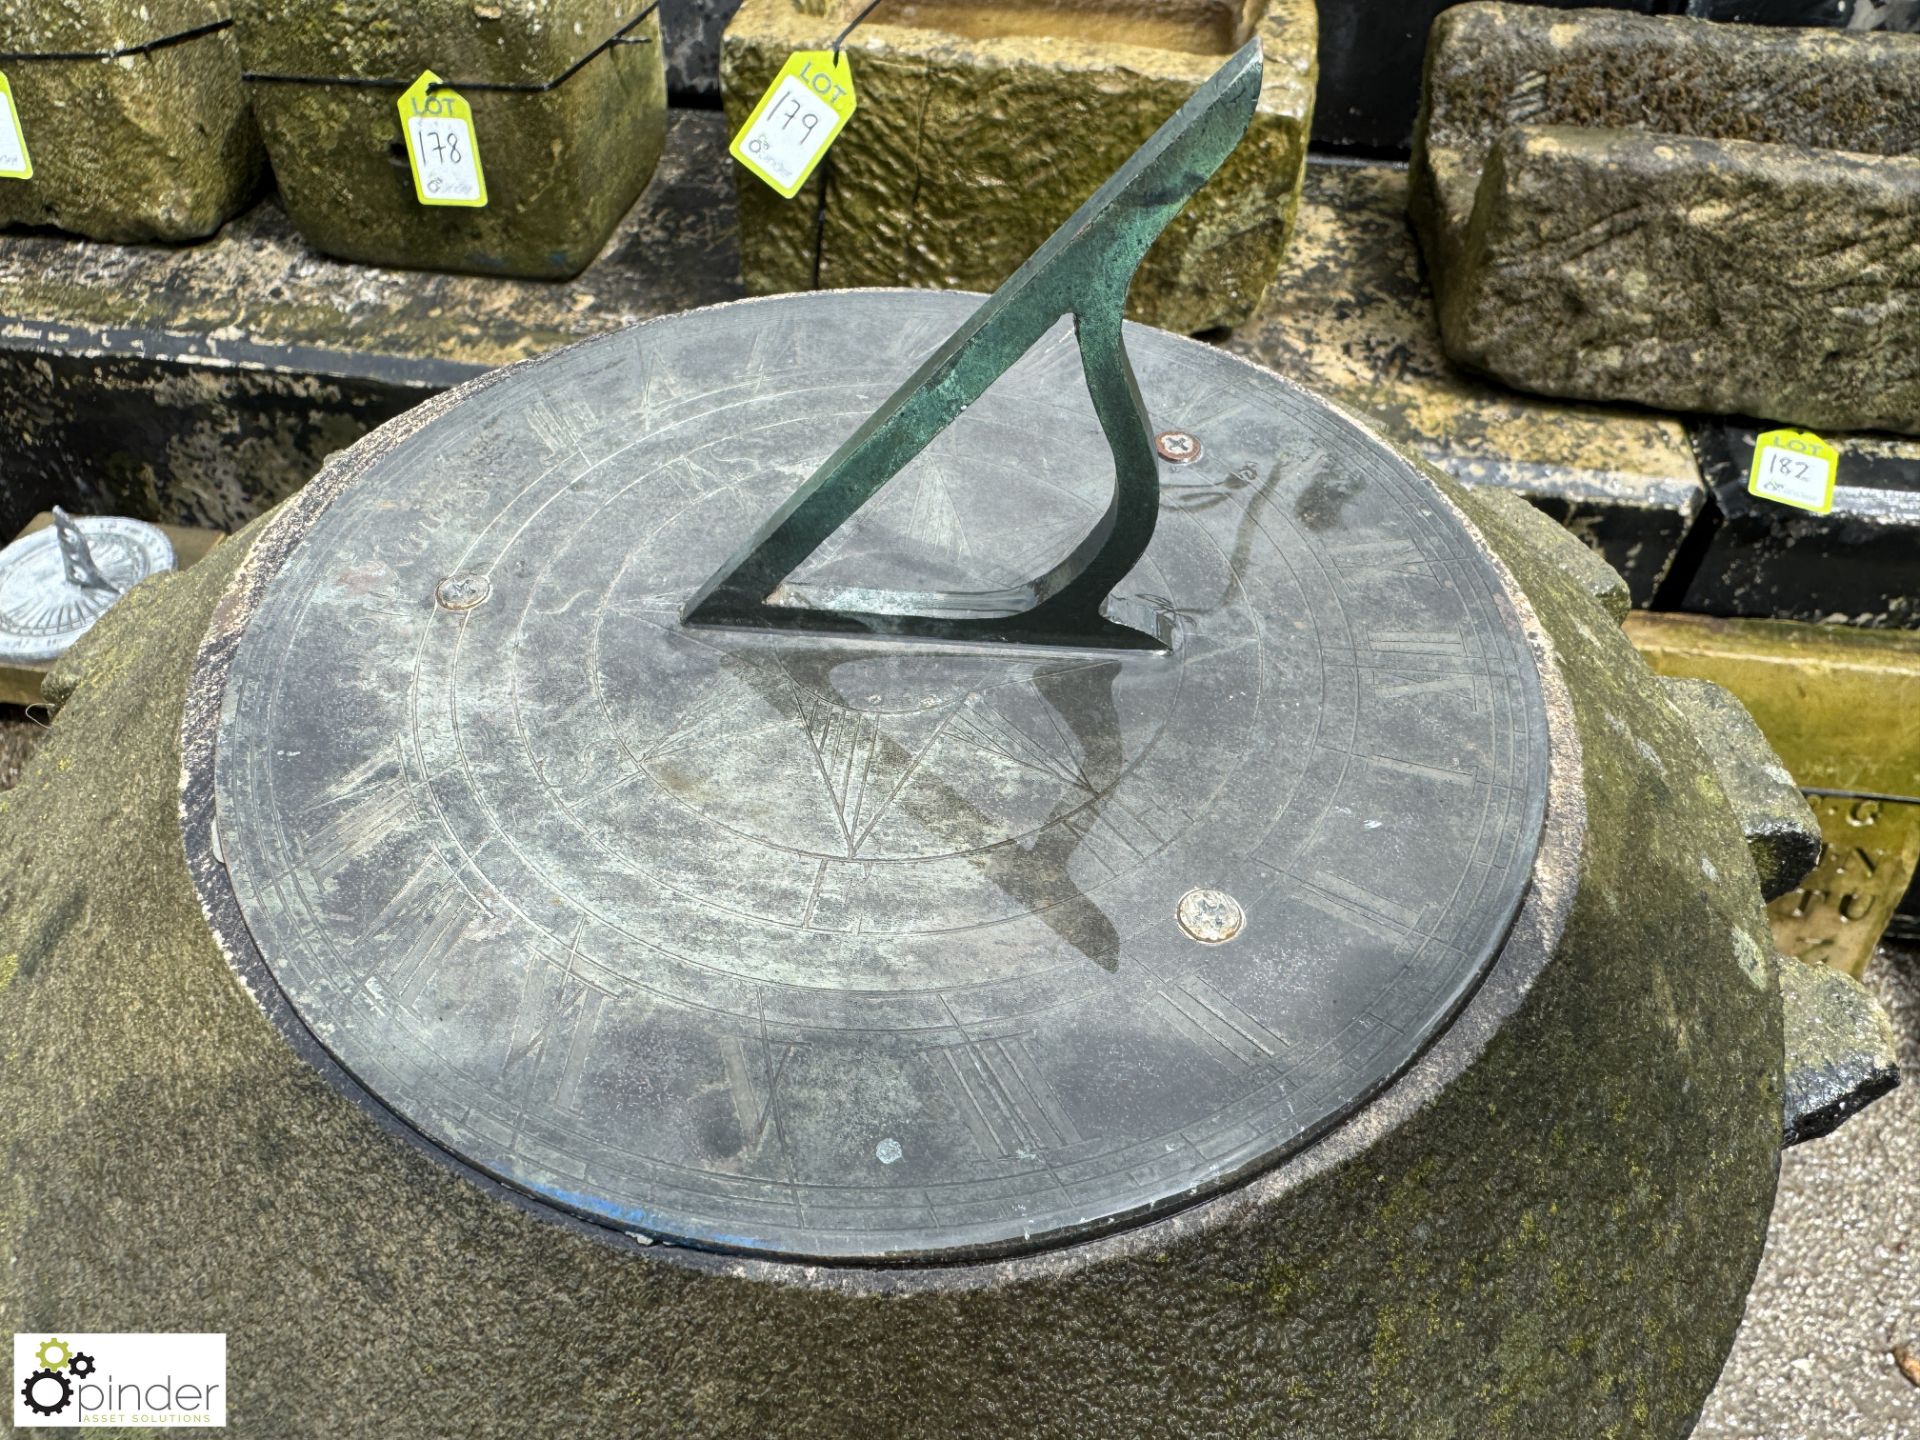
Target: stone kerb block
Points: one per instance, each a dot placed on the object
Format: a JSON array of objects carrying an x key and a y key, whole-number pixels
[
  {"x": 567, "y": 142},
  {"x": 133, "y": 115},
  {"x": 1682, "y": 214},
  {"x": 982, "y": 126}
]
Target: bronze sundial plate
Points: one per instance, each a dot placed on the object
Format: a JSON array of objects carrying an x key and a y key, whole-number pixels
[{"x": 853, "y": 949}]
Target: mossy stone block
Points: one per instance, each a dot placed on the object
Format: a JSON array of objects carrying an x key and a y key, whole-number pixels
[
  {"x": 563, "y": 164},
  {"x": 982, "y": 127},
  {"x": 1683, "y": 214},
  {"x": 1620, "y": 265},
  {"x": 197, "y": 385},
  {"x": 131, "y": 138}
]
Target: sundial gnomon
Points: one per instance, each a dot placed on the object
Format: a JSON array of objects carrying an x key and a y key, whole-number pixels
[{"x": 808, "y": 941}]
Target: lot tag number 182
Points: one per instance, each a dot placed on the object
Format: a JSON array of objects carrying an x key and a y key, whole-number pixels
[{"x": 1793, "y": 467}]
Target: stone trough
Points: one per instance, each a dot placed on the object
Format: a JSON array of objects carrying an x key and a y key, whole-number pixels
[
  {"x": 1688, "y": 215},
  {"x": 569, "y": 113},
  {"x": 982, "y": 126}
]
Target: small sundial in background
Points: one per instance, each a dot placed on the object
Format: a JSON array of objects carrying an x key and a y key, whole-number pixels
[
  {"x": 54, "y": 583},
  {"x": 1000, "y": 828}
]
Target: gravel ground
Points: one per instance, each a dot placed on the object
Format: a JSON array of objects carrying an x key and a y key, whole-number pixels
[{"x": 1839, "y": 1288}]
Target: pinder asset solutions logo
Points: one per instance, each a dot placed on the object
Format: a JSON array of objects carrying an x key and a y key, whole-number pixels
[{"x": 153, "y": 1380}]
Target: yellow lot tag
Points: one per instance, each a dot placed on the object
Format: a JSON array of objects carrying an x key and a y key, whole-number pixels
[
  {"x": 1794, "y": 467},
  {"x": 441, "y": 146},
  {"x": 14, "y": 162},
  {"x": 802, "y": 113}
]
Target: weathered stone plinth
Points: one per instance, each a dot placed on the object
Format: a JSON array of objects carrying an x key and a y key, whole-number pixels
[
  {"x": 135, "y": 134},
  {"x": 981, "y": 127},
  {"x": 1842, "y": 708},
  {"x": 1546, "y": 1226},
  {"x": 563, "y": 164},
  {"x": 1668, "y": 211}
]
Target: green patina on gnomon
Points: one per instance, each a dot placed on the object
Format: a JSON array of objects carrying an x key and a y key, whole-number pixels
[{"x": 1084, "y": 270}]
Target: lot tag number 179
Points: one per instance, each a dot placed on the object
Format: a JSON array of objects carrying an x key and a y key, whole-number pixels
[{"x": 801, "y": 114}]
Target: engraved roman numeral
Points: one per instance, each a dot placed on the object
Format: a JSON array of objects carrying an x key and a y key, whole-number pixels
[
  {"x": 1217, "y": 1026},
  {"x": 1442, "y": 644},
  {"x": 364, "y": 818},
  {"x": 47, "y": 616},
  {"x": 754, "y": 1068},
  {"x": 1002, "y": 1097},
  {"x": 553, "y": 1031},
  {"x": 1394, "y": 687},
  {"x": 560, "y": 424},
  {"x": 419, "y": 929},
  {"x": 1361, "y": 557},
  {"x": 986, "y": 726},
  {"x": 1357, "y": 905},
  {"x": 1437, "y": 773},
  {"x": 1113, "y": 835}
]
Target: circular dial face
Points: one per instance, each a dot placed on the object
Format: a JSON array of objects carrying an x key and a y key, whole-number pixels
[
  {"x": 42, "y": 612},
  {"x": 858, "y": 949}
]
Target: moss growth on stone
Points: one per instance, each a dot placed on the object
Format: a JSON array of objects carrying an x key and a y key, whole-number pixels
[
  {"x": 154, "y": 146},
  {"x": 1547, "y": 1226},
  {"x": 1597, "y": 192},
  {"x": 1609, "y": 265},
  {"x": 562, "y": 166}
]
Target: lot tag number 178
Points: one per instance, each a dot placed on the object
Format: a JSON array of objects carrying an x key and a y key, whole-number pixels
[{"x": 441, "y": 147}]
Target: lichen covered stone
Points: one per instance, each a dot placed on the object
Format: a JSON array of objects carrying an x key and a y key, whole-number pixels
[
  {"x": 1840, "y": 1049},
  {"x": 1688, "y": 215},
  {"x": 199, "y": 385},
  {"x": 1782, "y": 835},
  {"x": 1615, "y": 265},
  {"x": 128, "y": 143},
  {"x": 981, "y": 128},
  {"x": 562, "y": 164}
]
